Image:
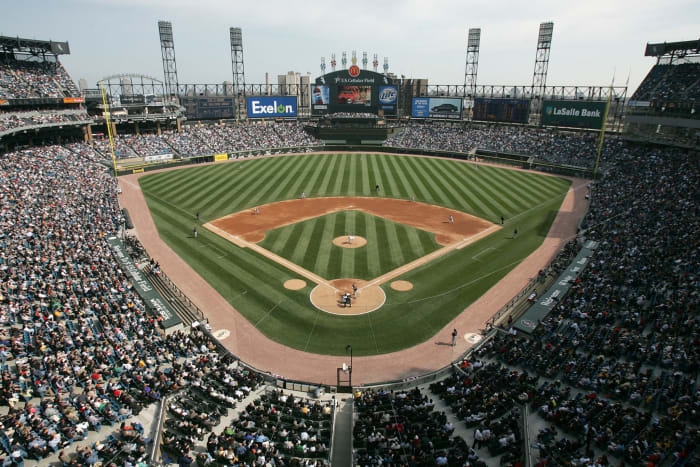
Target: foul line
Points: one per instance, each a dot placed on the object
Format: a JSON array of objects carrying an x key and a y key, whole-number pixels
[
  {"x": 427, "y": 258},
  {"x": 267, "y": 253},
  {"x": 267, "y": 314}
]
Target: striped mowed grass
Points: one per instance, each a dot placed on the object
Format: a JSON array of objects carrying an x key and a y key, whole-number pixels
[
  {"x": 442, "y": 288},
  {"x": 389, "y": 245}
]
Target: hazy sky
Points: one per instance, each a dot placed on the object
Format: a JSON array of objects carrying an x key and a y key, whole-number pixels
[{"x": 422, "y": 38}]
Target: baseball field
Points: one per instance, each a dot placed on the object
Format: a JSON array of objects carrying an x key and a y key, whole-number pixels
[{"x": 427, "y": 240}]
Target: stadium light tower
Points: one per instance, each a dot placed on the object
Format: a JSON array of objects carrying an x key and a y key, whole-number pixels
[
  {"x": 167, "y": 49},
  {"x": 344, "y": 60},
  {"x": 473, "y": 41},
  {"x": 386, "y": 65},
  {"x": 364, "y": 60},
  {"x": 323, "y": 65},
  {"x": 333, "y": 62},
  {"x": 544, "y": 44},
  {"x": 375, "y": 63},
  {"x": 238, "y": 71}
]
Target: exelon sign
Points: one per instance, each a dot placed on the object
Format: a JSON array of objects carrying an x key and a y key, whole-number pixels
[{"x": 272, "y": 107}]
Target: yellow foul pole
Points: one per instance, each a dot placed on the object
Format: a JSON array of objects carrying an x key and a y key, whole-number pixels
[
  {"x": 602, "y": 131},
  {"x": 109, "y": 128}
]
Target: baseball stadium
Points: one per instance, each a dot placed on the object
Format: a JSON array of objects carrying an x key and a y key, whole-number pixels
[{"x": 355, "y": 269}]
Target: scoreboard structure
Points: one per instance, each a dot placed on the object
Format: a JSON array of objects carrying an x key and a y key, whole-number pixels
[
  {"x": 502, "y": 110},
  {"x": 207, "y": 107},
  {"x": 354, "y": 90}
]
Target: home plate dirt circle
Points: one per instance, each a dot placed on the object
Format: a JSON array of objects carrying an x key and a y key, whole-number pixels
[
  {"x": 401, "y": 286},
  {"x": 326, "y": 297},
  {"x": 344, "y": 242},
  {"x": 294, "y": 284}
]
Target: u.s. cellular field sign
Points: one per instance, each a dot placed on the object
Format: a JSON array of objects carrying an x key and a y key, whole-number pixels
[{"x": 573, "y": 113}]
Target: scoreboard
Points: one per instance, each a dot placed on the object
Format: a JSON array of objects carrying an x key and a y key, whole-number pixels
[
  {"x": 204, "y": 107},
  {"x": 502, "y": 110}
]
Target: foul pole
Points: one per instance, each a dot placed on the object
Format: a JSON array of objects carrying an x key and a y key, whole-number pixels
[
  {"x": 602, "y": 130},
  {"x": 108, "y": 121}
]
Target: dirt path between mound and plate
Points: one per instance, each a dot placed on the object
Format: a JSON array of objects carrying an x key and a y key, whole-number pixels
[{"x": 253, "y": 347}]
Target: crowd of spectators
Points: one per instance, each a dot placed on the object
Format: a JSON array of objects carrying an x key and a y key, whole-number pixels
[
  {"x": 546, "y": 145},
  {"x": 78, "y": 349},
  {"x": 402, "y": 428},
  {"x": 28, "y": 119},
  {"x": 122, "y": 150},
  {"x": 670, "y": 83},
  {"x": 276, "y": 429},
  {"x": 147, "y": 145},
  {"x": 21, "y": 79}
]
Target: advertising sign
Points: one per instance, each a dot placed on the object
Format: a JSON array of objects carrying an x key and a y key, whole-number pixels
[
  {"x": 357, "y": 95},
  {"x": 220, "y": 157},
  {"x": 436, "y": 107},
  {"x": 502, "y": 110},
  {"x": 580, "y": 114},
  {"x": 388, "y": 97},
  {"x": 272, "y": 107},
  {"x": 73, "y": 100}
]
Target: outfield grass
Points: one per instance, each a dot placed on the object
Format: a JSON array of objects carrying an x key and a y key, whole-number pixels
[
  {"x": 442, "y": 288},
  {"x": 389, "y": 245}
]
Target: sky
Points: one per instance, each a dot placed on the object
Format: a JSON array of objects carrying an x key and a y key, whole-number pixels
[{"x": 593, "y": 40}]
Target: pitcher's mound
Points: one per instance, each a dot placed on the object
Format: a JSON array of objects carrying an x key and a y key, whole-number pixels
[
  {"x": 328, "y": 298},
  {"x": 294, "y": 284},
  {"x": 345, "y": 242},
  {"x": 401, "y": 286}
]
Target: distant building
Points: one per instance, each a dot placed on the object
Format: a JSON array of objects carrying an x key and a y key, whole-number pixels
[{"x": 295, "y": 84}]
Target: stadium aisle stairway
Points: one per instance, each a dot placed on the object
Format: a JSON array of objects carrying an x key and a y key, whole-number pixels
[{"x": 342, "y": 443}]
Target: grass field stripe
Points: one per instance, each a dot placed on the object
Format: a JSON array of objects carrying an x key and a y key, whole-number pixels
[
  {"x": 294, "y": 173},
  {"x": 375, "y": 173},
  {"x": 448, "y": 184},
  {"x": 262, "y": 193},
  {"x": 528, "y": 190},
  {"x": 364, "y": 164},
  {"x": 347, "y": 257},
  {"x": 414, "y": 241},
  {"x": 327, "y": 164},
  {"x": 510, "y": 201},
  {"x": 477, "y": 184},
  {"x": 438, "y": 185},
  {"x": 323, "y": 188},
  {"x": 303, "y": 242},
  {"x": 490, "y": 189},
  {"x": 255, "y": 185},
  {"x": 361, "y": 256},
  {"x": 348, "y": 175},
  {"x": 323, "y": 259},
  {"x": 308, "y": 186},
  {"x": 193, "y": 183},
  {"x": 372, "y": 247},
  {"x": 353, "y": 188},
  {"x": 289, "y": 240},
  {"x": 174, "y": 177},
  {"x": 392, "y": 188},
  {"x": 211, "y": 185},
  {"x": 340, "y": 176},
  {"x": 395, "y": 245},
  {"x": 333, "y": 268},
  {"x": 249, "y": 178},
  {"x": 298, "y": 184},
  {"x": 399, "y": 170},
  {"x": 456, "y": 187},
  {"x": 422, "y": 193},
  {"x": 224, "y": 192},
  {"x": 482, "y": 204}
]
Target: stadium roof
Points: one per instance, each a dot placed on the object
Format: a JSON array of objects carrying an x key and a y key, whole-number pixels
[
  {"x": 32, "y": 45},
  {"x": 680, "y": 49}
]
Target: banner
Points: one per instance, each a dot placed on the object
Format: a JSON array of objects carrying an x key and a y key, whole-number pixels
[
  {"x": 436, "y": 107},
  {"x": 158, "y": 157},
  {"x": 220, "y": 157},
  {"x": 272, "y": 107},
  {"x": 137, "y": 171},
  {"x": 73, "y": 100},
  {"x": 579, "y": 114},
  {"x": 556, "y": 292},
  {"x": 143, "y": 287}
]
